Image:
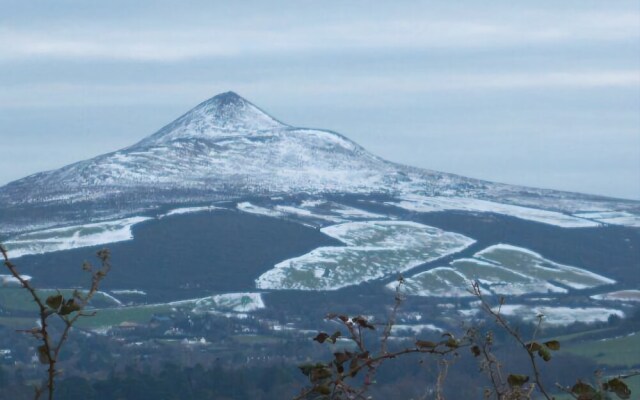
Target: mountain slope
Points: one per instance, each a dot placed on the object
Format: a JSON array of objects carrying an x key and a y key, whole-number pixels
[
  {"x": 226, "y": 147},
  {"x": 225, "y": 144}
]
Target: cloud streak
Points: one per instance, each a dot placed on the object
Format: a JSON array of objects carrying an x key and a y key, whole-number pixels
[
  {"x": 181, "y": 43},
  {"x": 58, "y": 94}
]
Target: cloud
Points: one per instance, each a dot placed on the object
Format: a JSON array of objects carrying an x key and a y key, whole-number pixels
[
  {"x": 515, "y": 80},
  {"x": 57, "y": 94},
  {"x": 280, "y": 35}
]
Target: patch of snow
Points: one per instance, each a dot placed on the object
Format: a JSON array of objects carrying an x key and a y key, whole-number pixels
[
  {"x": 355, "y": 213},
  {"x": 415, "y": 329},
  {"x": 531, "y": 263},
  {"x": 200, "y": 342},
  {"x": 612, "y": 217},
  {"x": 374, "y": 249},
  {"x": 72, "y": 237},
  {"x": 6, "y": 280},
  {"x": 432, "y": 204},
  {"x": 503, "y": 270},
  {"x": 311, "y": 203},
  {"x": 560, "y": 316},
  {"x": 302, "y": 212},
  {"x": 189, "y": 210},
  {"x": 253, "y": 209},
  {"x": 110, "y": 297},
  {"x": 129, "y": 292},
  {"x": 235, "y": 302},
  {"x": 325, "y": 211},
  {"x": 620, "y": 295}
]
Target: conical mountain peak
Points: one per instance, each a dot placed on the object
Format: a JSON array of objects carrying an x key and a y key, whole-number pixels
[
  {"x": 222, "y": 115},
  {"x": 229, "y": 97},
  {"x": 227, "y": 148}
]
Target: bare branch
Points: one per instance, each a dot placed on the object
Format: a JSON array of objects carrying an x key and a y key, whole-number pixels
[
  {"x": 68, "y": 313},
  {"x": 502, "y": 322}
]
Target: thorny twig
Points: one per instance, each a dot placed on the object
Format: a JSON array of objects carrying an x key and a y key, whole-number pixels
[
  {"x": 491, "y": 364},
  {"x": 49, "y": 351},
  {"x": 443, "y": 369},
  {"x": 392, "y": 316},
  {"x": 475, "y": 290},
  {"x": 329, "y": 380},
  {"x": 601, "y": 387}
]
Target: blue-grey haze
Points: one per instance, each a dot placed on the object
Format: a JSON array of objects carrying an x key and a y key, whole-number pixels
[{"x": 544, "y": 94}]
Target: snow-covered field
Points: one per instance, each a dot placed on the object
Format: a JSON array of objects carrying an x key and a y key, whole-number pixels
[
  {"x": 414, "y": 329},
  {"x": 432, "y": 204},
  {"x": 612, "y": 217},
  {"x": 190, "y": 210},
  {"x": 374, "y": 249},
  {"x": 128, "y": 292},
  {"x": 306, "y": 213},
  {"x": 229, "y": 305},
  {"x": 351, "y": 213},
  {"x": 501, "y": 269},
  {"x": 72, "y": 237},
  {"x": 526, "y": 262},
  {"x": 253, "y": 209},
  {"x": 620, "y": 295},
  {"x": 225, "y": 302},
  {"x": 560, "y": 316},
  {"x": 234, "y": 302},
  {"x": 10, "y": 280},
  {"x": 328, "y": 212}
]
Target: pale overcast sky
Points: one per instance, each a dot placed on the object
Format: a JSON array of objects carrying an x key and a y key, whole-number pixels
[{"x": 542, "y": 93}]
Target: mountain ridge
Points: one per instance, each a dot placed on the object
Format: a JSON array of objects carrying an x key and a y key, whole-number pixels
[
  {"x": 227, "y": 147},
  {"x": 224, "y": 136}
]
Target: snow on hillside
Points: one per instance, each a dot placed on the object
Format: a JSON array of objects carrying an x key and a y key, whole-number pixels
[
  {"x": 374, "y": 249},
  {"x": 503, "y": 270},
  {"x": 613, "y": 217},
  {"x": 432, "y": 204},
  {"x": 189, "y": 210},
  {"x": 560, "y": 316},
  {"x": 228, "y": 148},
  {"x": 225, "y": 115},
  {"x": 72, "y": 237},
  {"x": 235, "y": 302},
  {"x": 10, "y": 280},
  {"x": 619, "y": 295}
]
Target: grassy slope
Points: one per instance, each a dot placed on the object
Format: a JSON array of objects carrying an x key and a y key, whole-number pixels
[
  {"x": 618, "y": 352},
  {"x": 18, "y": 299}
]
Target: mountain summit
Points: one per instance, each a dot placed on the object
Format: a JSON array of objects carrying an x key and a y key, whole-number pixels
[{"x": 222, "y": 115}]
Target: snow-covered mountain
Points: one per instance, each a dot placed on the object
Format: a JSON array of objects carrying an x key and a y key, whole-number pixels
[
  {"x": 226, "y": 147},
  {"x": 225, "y": 143}
]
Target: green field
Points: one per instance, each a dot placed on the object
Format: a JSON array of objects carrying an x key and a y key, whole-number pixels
[
  {"x": 618, "y": 352},
  {"x": 256, "y": 339},
  {"x": 111, "y": 313},
  {"x": 108, "y": 311},
  {"x": 18, "y": 299},
  {"x": 108, "y": 317},
  {"x": 18, "y": 322},
  {"x": 140, "y": 314}
]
